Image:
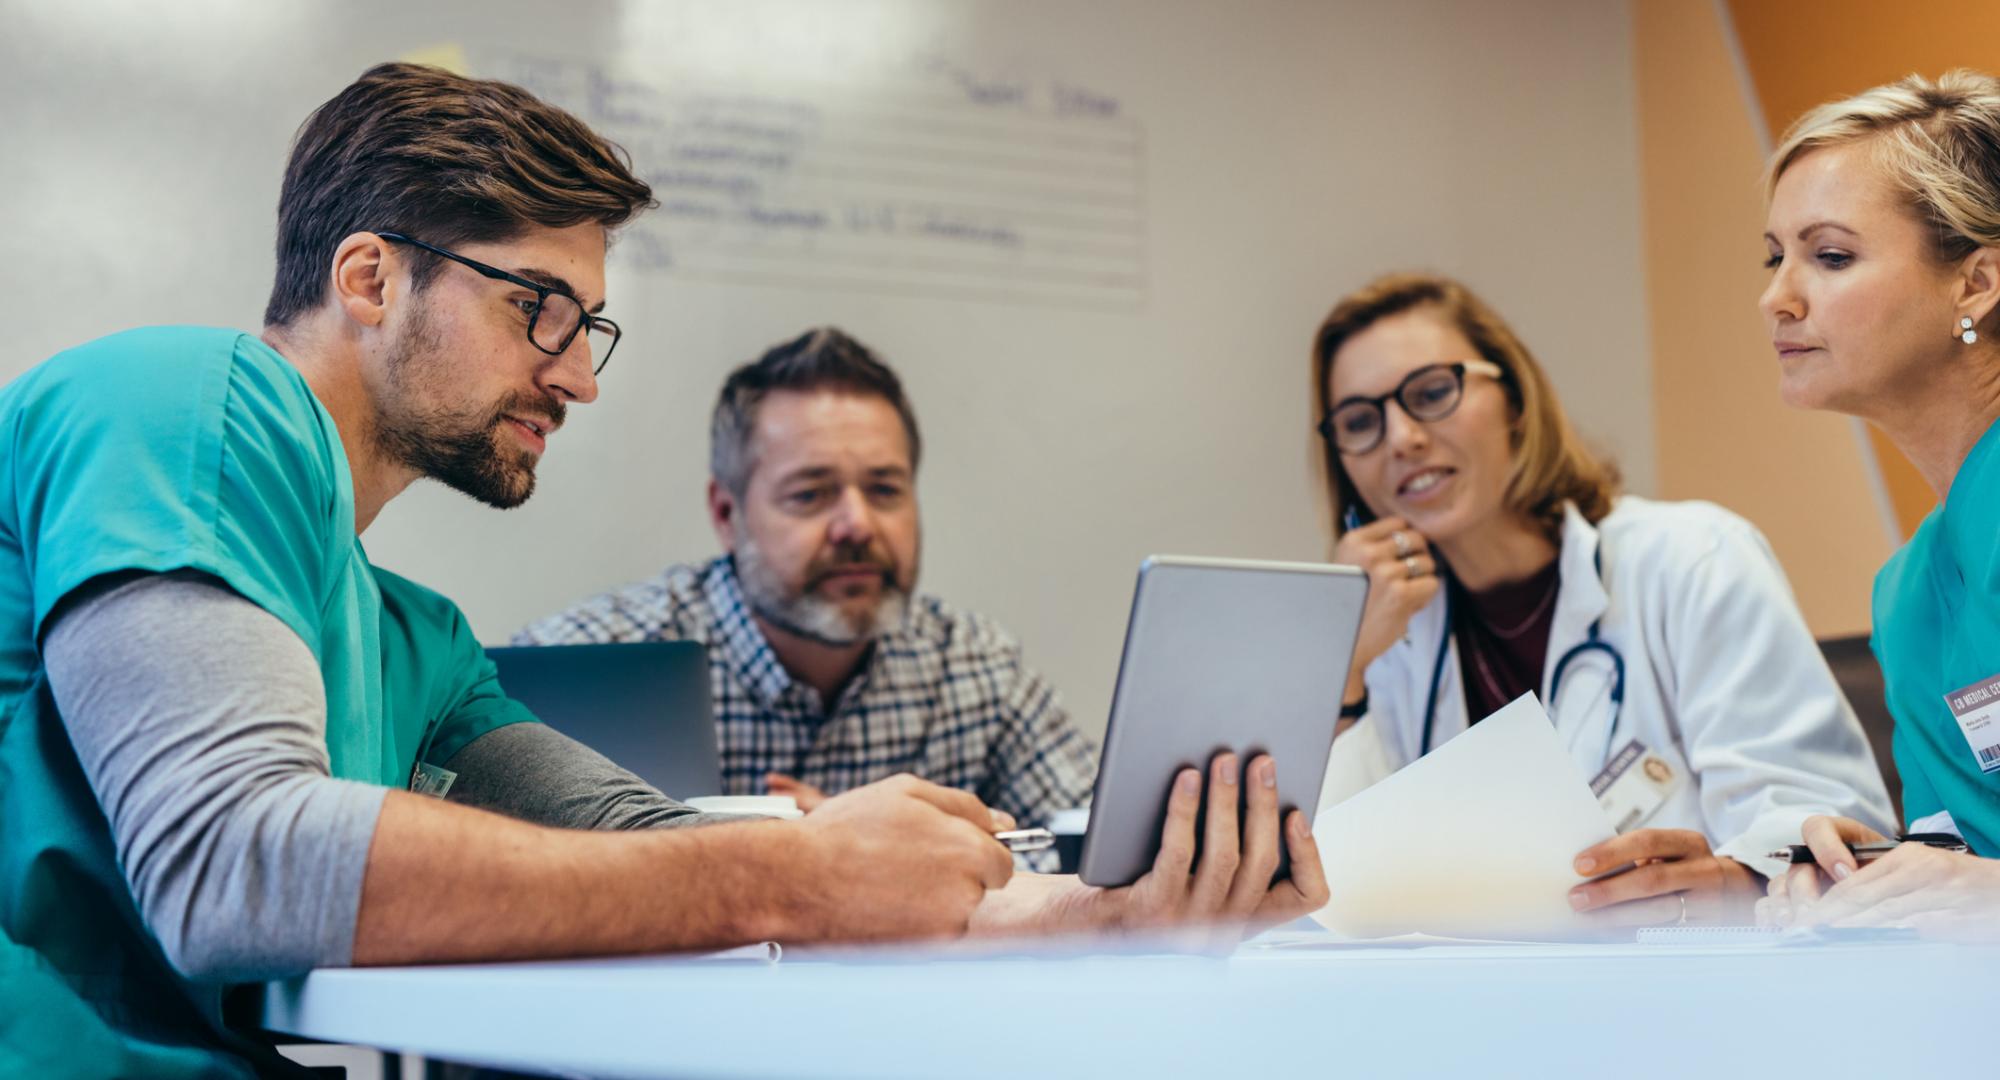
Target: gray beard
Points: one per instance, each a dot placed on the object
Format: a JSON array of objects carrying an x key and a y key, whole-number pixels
[{"x": 808, "y": 616}]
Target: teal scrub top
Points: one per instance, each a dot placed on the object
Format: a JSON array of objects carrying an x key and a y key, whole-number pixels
[
  {"x": 1937, "y": 629},
  {"x": 156, "y": 450}
]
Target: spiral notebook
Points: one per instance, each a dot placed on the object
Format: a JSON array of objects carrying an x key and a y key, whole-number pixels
[
  {"x": 1775, "y": 935},
  {"x": 1709, "y": 935}
]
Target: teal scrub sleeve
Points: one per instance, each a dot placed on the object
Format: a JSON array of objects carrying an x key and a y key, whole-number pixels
[
  {"x": 478, "y": 706},
  {"x": 428, "y": 644},
  {"x": 167, "y": 449}
]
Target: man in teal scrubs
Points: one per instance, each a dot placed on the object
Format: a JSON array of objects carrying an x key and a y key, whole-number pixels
[{"x": 219, "y": 724}]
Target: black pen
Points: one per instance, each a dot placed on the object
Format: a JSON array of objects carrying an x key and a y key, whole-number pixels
[{"x": 1801, "y": 855}]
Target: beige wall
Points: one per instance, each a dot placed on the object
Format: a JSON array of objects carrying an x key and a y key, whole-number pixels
[
  {"x": 1722, "y": 434},
  {"x": 1292, "y": 150},
  {"x": 1322, "y": 143}
]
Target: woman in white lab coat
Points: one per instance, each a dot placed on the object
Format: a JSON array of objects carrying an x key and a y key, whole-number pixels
[{"x": 1662, "y": 637}]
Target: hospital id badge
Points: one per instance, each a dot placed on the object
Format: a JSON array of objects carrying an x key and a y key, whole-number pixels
[
  {"x": 1635, "y": 783},
  {"x": 428, "y": 779},
  {"x": 1977, "y": 709}
]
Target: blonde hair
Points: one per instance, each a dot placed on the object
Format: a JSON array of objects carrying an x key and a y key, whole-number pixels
[
  {"x": 1551, "y": 464},
  {"x": 1939, "y": 142}
]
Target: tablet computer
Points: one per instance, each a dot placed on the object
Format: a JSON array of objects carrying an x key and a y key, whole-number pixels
[{"x": 1220, "y": 655}]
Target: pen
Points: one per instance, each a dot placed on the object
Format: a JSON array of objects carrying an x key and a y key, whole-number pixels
[
  {"x": 1800, "y": 854},
  {"x": 1022, "y": 840}
]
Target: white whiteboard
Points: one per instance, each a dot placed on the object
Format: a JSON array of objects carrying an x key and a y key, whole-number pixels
[
  {"x": 1142, "y": 390},
  {"x": 928, "y": 180}
]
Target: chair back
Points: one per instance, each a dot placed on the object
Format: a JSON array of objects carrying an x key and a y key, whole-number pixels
[{"x": 1860, "y": 678}]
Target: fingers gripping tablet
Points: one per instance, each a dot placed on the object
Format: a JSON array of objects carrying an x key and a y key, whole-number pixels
[{"x": 1221, "y": 655}]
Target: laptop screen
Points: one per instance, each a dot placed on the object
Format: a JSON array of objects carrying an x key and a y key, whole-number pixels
[{"x": 644, "y": 705}]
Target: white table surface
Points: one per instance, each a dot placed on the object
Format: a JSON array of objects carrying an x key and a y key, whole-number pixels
[{"x": 1612, "y": 1011}]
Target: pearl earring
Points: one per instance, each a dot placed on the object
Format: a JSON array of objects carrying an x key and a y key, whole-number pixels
[{"x": 1967, "y": 333}]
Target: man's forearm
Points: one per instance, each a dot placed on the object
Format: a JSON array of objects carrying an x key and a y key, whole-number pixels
[
  {"x": 1042, "y": 904},
  {"x": 531, "y": 772},
  {"x": 449, "y": 883}
]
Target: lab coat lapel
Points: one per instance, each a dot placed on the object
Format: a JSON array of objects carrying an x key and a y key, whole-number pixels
[{"x": 1583, "y": 705}]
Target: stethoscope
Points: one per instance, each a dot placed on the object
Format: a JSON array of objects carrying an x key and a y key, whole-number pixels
[{"x": 1594, "y": 642}]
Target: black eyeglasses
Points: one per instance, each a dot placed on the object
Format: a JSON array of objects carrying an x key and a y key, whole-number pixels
[
  {"x": 557, "y": 316},
  {"x": 1429, "y": 394}
]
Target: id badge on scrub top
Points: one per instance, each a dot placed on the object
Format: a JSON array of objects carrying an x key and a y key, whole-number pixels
[
  {"x": 1977, "y": 710},
  {"x": 1635, "y": 783},
  {"x": 427, "y": 779}
]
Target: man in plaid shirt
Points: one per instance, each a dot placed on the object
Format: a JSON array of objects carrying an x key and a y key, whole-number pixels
[{"x": 828, "y": 671}]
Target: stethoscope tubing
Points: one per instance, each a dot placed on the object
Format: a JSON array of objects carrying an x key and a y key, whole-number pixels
[{"x": 1593, "y": 642}]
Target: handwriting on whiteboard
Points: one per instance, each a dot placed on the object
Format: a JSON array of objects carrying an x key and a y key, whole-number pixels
[{"x": 949, "y": 182}]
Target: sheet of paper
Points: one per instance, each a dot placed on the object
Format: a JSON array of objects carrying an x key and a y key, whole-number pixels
[
  {"x": 763, "y": 952},
  {"x": 1474, "y": 840},
  {"x": 1322, "y": 939}
]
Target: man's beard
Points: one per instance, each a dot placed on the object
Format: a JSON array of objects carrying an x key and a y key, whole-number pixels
[
  {"x": 458, "y": 448},
  {"x": 810, "y": 616}
]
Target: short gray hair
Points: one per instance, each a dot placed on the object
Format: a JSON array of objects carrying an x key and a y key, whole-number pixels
[{"x": 823, "y": 358}]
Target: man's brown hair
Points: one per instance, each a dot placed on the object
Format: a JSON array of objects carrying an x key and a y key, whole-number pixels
[
  {"x": 1552, "y": 466},
  {"x": 444, "y": 158}
]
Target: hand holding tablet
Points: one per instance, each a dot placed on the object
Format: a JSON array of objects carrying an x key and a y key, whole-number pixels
[
  {"x": 1230, "y": 878},
  {"x": 1225, "y": 660},
  {"x": 1215, "y": 866}
]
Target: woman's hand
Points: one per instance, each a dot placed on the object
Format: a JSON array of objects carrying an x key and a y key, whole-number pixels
[
  {"x": 1402, "y": 578},
  {"x": 1674, "y": 878},
  {"x": 1830, "y": 839},
  {"x": 1941, "y": 894}
]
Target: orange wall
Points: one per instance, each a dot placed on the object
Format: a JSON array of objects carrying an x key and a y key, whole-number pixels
[
  {"x": 1804, "y": 52},
  {"x": 1722, "y": 434},
  {"x": 1801, "y": 53}
]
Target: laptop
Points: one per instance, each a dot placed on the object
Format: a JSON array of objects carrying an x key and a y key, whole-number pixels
[{"x": 644, "y": 705}]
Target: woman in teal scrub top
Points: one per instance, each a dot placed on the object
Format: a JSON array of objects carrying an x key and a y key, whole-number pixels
[{"x": 1884, "y": 303}]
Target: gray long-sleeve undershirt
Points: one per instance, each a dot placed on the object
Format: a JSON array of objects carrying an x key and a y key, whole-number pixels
[
  {"x": 200, "y": 722},
  {"x": 536, "y": 773}
]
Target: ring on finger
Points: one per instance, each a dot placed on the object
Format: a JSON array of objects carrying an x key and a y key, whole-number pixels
[
  {"x": 1412, "y": 566},
  {"x": 1402, "y": 544}
]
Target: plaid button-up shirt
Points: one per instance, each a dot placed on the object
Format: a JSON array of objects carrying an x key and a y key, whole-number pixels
[{"x": 944, "y": 695}]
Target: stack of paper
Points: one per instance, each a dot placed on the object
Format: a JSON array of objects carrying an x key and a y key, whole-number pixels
[{"x": 1477, "y": 839}]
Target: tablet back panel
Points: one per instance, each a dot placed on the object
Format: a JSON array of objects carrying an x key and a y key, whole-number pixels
[{"x": 1220, "y": 654}]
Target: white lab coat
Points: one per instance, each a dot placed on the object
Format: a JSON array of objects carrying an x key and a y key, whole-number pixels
[{"x": 1721, "y": 677}]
